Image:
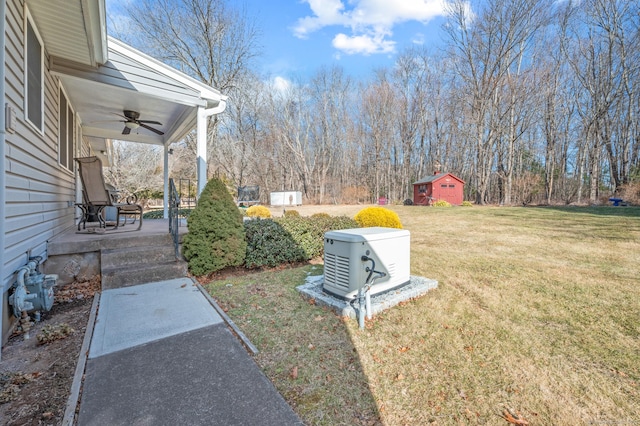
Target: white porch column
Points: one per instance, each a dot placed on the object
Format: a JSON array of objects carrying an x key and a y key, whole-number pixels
[
  {"x": 201, "y": 149},
  {"x": 201, "y": 138},
  {"x": 165, "y": 198}
]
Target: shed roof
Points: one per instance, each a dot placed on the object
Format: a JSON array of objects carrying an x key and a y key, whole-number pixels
[{"x": 436, "y": 177}]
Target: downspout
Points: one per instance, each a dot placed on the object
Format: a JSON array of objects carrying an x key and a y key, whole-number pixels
[
  {"x": 3, "y": 134},
  {"x": 201, "y": 130},
  {"x": 165, "y": 197}
]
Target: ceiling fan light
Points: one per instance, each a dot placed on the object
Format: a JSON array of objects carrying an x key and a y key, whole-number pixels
[{"x": 132, "y": 125}]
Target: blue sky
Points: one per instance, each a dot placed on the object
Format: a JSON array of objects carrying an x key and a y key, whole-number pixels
[{"x": 300, "y": 36}]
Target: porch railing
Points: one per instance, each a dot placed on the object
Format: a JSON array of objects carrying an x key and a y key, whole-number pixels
[{"x": 174, "y": 213}]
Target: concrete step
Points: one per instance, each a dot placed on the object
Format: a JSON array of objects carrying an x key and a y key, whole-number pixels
[
  {"x": 126, "y": 256},
  {"x": 125, "y": 276}
]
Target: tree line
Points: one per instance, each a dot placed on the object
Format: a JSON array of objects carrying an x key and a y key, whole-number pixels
[{"x": 527, "y": 101}]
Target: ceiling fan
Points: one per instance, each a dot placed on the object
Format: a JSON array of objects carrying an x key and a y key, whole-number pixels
[{"x": 131, "y": 122}]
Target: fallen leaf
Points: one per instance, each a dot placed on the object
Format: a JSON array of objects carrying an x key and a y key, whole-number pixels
[
  {"x": 400, "y": 376},
  {"x": 294, "y": 373},
  {"x": 514, "y": 418},
  {"x": 183, "y": 285},
  {"x": 404, "y": 349}
]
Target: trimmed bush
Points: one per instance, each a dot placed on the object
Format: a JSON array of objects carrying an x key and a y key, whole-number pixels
[
  {"x": 378, "y": 216},
  {"x": 159, "y": 214},
  {"x": 269, "y": 244},
  {"x": 216, "y": 237},
  {"x": 467, "y": 204},
  {"x": 321, "y": 215},
  {"x": 441, "y": 203},
  {"x": 308, "y": 232},
  {"x": 259, "y": 211},
  {"x": 291, "y": 213}
]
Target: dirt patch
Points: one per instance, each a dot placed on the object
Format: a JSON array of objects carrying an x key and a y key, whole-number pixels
[{"x": 36, "y": 373}]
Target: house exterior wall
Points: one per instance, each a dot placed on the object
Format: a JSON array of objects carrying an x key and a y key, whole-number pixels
[{"x": 40, "y": 193}]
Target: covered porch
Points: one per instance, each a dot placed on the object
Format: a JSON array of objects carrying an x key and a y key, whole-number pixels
[{"x": 135, "y": 98}]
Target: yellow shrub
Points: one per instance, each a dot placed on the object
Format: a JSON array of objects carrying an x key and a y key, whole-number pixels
[
  {"x": 378, "y": 216},
  {"x": 441, "y": 203},
  {"x": 291, "y": 213},
  {"x": 259, "y": 211}
]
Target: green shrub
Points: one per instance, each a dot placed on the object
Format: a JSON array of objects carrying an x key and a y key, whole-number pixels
[
  {"x": 259, "y": 211},
  {"x": 467, "y": 204},
  {"x": 291, "y": 213},
  {"x": 441, "y": 203},
  {"x": 321, "y": 215},
  {"x": 378, "y": 216},
  {"x": 216, "y": 237},
  {"x": 159, "y": 214},
  {"x": 308, "y": 232},
  {"x": 269, "y": 244}
]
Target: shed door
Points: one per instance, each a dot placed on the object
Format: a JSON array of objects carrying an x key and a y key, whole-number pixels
[{"x": 452, "y": 192}]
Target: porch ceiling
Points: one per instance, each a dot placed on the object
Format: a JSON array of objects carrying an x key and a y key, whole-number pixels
[{"x": 131, "y": 80}]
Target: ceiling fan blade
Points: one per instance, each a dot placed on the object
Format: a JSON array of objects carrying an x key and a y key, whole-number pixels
[
  {"x": 150, "y": 122},
  {"x": 150, "y": 128},
  {"x": 126, "y": 130}
]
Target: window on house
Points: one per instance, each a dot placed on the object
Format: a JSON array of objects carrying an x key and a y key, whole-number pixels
[
  {"x": 452, "y": 186},
  {"x": 443, "y": 185},
  {"x": 66, "y": 133},
  {"x": 34, "y": 77}
]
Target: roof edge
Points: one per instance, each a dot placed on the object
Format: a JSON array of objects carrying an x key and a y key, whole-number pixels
[
  {"x": 206, "y": 92},
  {"x": 95, "y": 18}
]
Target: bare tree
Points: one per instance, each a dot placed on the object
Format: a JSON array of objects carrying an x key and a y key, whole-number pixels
[{"x": 209, "y": 40}]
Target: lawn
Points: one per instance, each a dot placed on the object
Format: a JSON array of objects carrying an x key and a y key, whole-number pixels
[{"x": 536, "y": 320}]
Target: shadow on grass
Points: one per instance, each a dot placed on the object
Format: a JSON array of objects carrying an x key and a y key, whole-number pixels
[{"x": 305, "y": 350}]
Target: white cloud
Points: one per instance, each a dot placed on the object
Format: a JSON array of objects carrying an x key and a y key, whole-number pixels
[
  {"x": 418, "y": 38},
  {"x": 281, "y": 84},
  {"x": 371, "y": 21},
  {"x": 364, "y": 44}
]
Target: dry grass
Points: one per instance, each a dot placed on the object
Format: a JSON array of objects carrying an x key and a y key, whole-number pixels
[{"x": 537, "y": 312}]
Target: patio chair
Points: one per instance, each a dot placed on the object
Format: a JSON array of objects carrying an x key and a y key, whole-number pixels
[{"x": 96, "y": 196}]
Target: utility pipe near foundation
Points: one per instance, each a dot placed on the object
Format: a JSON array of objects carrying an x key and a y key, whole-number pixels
[{"x": 364, "y": 292}]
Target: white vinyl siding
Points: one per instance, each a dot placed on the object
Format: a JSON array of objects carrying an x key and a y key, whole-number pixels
[
  {"x": 34, "y": 67},
  {"x": 39, "y": 192}
]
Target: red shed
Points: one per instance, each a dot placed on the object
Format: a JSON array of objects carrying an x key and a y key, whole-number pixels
[{"x": 439, "y": 186}]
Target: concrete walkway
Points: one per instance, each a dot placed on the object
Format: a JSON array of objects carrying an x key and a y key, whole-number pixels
[{"x": 161, "y": 354}]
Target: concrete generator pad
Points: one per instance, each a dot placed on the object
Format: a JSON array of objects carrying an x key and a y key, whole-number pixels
[
  {"x": 417, "y": 286},
  {"x": 132, "y": 316},
  {"x": 203, "y": 377}
]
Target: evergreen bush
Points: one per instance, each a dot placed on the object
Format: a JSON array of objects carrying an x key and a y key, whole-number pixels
[
  {"x": 216, "y": 237},
  {"x": 378, "y": 216},
  {"x": 321, "y": 215},
  {"x": 308, "y": 232},
  {"x": 269, "y": 244},
  {"x": 159, "y": 214},
  {"x": 259, "y": 211}
]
